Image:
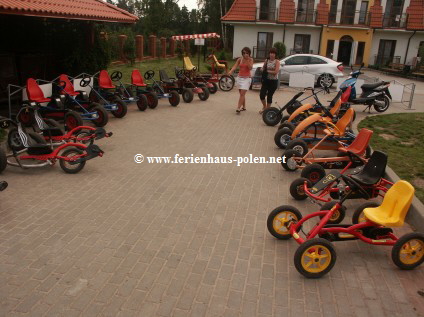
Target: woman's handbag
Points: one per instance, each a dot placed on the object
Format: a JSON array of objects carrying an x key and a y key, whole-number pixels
[{"x": 265, "y": 72}]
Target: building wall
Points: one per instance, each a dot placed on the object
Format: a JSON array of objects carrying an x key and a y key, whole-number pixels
[{"x": 401, "y": 38}]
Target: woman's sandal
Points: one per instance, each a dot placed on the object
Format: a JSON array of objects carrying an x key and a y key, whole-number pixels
[
  {"x": 238, "y": 111},
  {"x": 243, "y": 109}
]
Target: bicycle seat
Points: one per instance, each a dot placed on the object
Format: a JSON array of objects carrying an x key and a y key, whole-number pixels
[
  {"x": 373, "y": 171},
  {"x": 39, "y": 149},
  {"x": 137, "y": 79},
  {"x": 104, "y": 80},
  {"x": 69, "y": 88},
  {"x": 34, "y": 91},
  {"x": 395, "y": 206}
]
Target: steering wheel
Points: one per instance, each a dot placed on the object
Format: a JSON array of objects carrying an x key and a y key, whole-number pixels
[
  {"x": 326, "y": 111},
  {"x": 149, "y": 74},
  {"x": 179, "y": 73},
  {"x": 354, "y": 185},
  {"x": 4, "y": 123},
  {"x": 85, "y": 81},
  {"x": 116, "y": 75}
]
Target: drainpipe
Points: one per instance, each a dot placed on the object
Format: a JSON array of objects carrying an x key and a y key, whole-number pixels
[
  {"x": 407, "y": 47},
  {"x": 319, "y": 43},
  {"x": 284, "y": 34}
]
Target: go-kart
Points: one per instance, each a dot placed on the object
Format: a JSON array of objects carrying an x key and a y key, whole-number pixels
[
  {"x": 316, "y": 255},
  {"x": 172, "y": 96},
  {"x": 105, "y": 94},
  {"x": 316, "y": 184},
  {"x": 55, "y": 108},
  {"x": 137, "y": 83}
]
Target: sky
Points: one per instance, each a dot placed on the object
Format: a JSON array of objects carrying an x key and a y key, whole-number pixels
[{"x": 190, "y": 4}]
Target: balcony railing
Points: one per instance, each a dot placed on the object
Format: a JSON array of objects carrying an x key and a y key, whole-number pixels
[
  {"x": 351, "y": 18},
  {"x": 306, "y": 16},
  {"x": 395, "y": 20},
  {"x": 265, "y": 14},
  {"x": 261, "y": 52}
]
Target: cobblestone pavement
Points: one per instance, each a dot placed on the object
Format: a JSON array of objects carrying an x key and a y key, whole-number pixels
[{"x": 127, "y": 239}]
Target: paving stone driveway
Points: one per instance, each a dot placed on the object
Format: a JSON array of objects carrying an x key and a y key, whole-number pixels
[{"x": 127, "y": 239}]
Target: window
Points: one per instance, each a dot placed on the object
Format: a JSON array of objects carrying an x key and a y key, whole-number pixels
[
  {"x": 330, "y": 49},
  {"x": 360, "y": 53},
  {"x": 386, "y": 52},
  {"x": 333, "y": 11},
  {"x": 264, "y": 44},
  {"x": 297, "y": 60},
  {"x": 363, "y": 12},
  {"x": 316, "y": 60},
  {"x": 267, "y": 10},
  {"x": 305, "y": 11},
  {"x": 348, "y": 12},
  {"x": 301, "y": 43}
]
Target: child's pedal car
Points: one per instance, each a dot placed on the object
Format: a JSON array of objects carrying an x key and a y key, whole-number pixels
[
  {"x": 315, "y": 257},
  {"x": 172, "y": 96},
  {"x": 141, "y": 89}
]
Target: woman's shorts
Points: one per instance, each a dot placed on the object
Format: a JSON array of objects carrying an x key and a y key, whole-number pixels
[{"x": 244, "y": 82}]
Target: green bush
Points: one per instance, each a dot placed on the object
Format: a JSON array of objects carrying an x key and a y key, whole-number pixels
[{"x": 281, "y": 49}]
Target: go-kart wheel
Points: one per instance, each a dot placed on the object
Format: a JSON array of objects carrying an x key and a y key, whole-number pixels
[
  {"x": 296, "y": 188},
  {"x": 142, "y": 102},
  {"x": 84, "y": 137},
  {"x": 26, "y": 117},
  {"x": 337, "y": 216},
  {"x": 283, "y": 137},
  {"x": 124, "y": 93},
  {"x": 408, "y": 251},
  {"x": 226, "y": 83},
  {"x": 213, "y": 89},
  {"x": 188, "y": 95},
  {"x": 15, "y": 142},
  {"x": 278, "y": 218},
  {"x": 314, "y": 258},
  {"x": 122, "y": 108},
  {"x": 71, "y": 168},
  {"x": 116, "y": 75},
  {"x": 292, "y": 108},
  {"x": 54, "y": 124},
  {"x": 358, "y": 216},
  {"x": 3, "y": 160},
  {"x": 271, "y": 116},
  {"x": 174, "y": 100},
  {"x": 283, "y": 119},
  {"x": 313, "y": 172},
  {"x": 205, "y": 94},
  {"x": 103, "y": 117},
  {"x": 298, "y": 145},
  {"x": 93, "y": 97},
  {"x": 153, "y": 99},
  {"x": 72, "y": 120},
  {"x": 287, "y": 124},
  {"x": 288, "y": 160}
]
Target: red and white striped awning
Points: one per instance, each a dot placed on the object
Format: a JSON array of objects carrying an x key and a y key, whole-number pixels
[{"x": 195, "y": 36}]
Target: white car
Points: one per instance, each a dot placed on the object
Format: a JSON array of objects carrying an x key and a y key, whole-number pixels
[{"x": 326, "y": 70}]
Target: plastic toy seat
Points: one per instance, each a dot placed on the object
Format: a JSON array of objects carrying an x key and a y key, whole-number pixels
[
  {"x": 104, "y": 80},
  {"x": 344, "y": 121},
  {"x": 217, "y": 63},
  {"x": 69, "y": 88},
  {"x": 137, "y": 79},
  {"x": 188, "y": 64},
  {"x": 360, "y": 144},
  {"x": 34, "y": 91},
  {"x": 165, "y": 78},
  {"x": 373, "y": 171},
  {"x": 395, "y": 206}
]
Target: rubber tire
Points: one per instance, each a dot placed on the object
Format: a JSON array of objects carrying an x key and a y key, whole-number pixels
[
  {"x": 187, "y": 95},
  {"x": 342, "y": 212},
  {"x": 54, "y": 124},
  {"x": 226, "y": 88},
  {"x": 93, "y": 97},
  {"x": 386, "y": 105},
  {"x": 103, "y": 118},
  {"x": 283, "y": 137},
  {"x": 75, "y": 118},
  {"x": 397, "y": 247},
  {"x": 314, "y": 168},
  {"x": 204, "y": 95},
  {"x": 153, "y": 99},
  {"x": 289, "y": 154},
  {"x": 358, "y": 211},
  {"x": 287, "y": 124},
  {"x": 3, "y": 160},
  {"x": 294, "y": 188},
  {"x": 298, "y": 145},
  {"x": 122, "y": 108},
  {"x": 71, "y": 171},
  {"x": 276, "y": 116},
  {"x": 36, "y": 138},
  {"x": 142, "y": 102},
  {"x": 284, "y": 118},
  {"x": 214, "y": 89},
  {"x": 275, "y": 212},
  {"x": 174, "y": 100},
  {"x": 306, "y": 245},
  {"x": 319, "y": 82}
]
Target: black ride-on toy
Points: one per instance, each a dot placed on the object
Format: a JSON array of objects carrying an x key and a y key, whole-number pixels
[{"x": 172, "y": 96}]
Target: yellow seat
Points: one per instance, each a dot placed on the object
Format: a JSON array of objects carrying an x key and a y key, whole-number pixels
[
  {"x": 188, "y": 65},
  {"x": 395, "y": 206},
  {"x": 218, "y": 64}
]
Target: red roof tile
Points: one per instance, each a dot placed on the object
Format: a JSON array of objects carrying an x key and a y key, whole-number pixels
[
  {"x": 241, "y": 10},
  {"x": 96, "y": 10}
]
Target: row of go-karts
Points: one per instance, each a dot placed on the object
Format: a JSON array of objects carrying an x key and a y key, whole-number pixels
[{"x": 306, "y": 131}]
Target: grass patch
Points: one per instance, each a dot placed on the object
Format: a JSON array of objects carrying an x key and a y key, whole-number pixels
[
  {"x": 400, "y": 136},
  {"x": 167, "y": 64}
]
